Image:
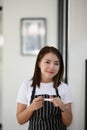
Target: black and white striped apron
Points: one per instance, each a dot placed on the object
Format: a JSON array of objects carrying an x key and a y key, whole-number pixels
[{"x": 48, "y": 117}]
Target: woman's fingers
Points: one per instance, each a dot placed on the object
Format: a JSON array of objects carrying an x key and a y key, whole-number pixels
[
  {"x": 56, "y": 101},
  {"x": 37, "y": 103}
]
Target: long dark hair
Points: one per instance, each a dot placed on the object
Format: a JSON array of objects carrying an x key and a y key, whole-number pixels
[{"x": 36, "y": 79}]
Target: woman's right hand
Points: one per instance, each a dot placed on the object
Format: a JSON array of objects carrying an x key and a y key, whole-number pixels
[{"x": 37, "y": 103}]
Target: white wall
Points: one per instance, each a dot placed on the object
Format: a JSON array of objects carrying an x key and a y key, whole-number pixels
[
  {"x": 0, "y": 2},
  {"x": 0, "y": 61},
  {"x": 16, "y": 67},
  {"x": 77, "y": 55}
]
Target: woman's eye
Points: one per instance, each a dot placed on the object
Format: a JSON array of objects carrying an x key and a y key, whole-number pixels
[
  {"x": 56, "y": 63},
  {"x": 47, "y": 62}
]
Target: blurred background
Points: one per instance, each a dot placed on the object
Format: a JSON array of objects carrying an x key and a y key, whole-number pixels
[{"x": 16, "y": 67}]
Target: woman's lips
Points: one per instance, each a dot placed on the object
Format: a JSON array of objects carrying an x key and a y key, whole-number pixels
[{"x": 50, "y": 72}]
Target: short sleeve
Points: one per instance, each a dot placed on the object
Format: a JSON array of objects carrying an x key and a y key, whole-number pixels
[
  {"x": 22, "y": 94},
  {"x": 67, "y": 95}
]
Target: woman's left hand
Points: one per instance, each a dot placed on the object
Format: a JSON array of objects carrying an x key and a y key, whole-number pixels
[{"x": 56, "y": 101}]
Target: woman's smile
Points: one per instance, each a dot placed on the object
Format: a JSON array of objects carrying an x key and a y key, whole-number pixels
[{"x": 50, "y": 72}]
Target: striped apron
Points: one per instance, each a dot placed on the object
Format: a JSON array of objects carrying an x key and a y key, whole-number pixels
[{"x": 48, "y": 117}]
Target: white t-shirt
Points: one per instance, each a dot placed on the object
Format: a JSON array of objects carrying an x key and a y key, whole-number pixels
[{"x": 24, "y": 95}]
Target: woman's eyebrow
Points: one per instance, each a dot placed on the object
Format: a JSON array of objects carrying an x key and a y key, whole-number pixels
[{"x": 54, "y": 61}]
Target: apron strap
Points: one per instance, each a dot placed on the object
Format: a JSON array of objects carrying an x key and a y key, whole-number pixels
[
  {"x": 33, "y": 93},
  {"x": 57, "y": 92}
]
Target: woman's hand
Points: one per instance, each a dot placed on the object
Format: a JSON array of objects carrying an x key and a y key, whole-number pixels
[
  {"x": 57, "y": 102},
  {"x": 37, "y": 103}
]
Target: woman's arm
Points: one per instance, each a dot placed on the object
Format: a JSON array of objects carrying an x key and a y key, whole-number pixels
[
  {"x": 24, "y": 113},
  {"x": 66, "y": 113}
]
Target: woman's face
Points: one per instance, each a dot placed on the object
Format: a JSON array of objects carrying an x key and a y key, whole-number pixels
[{"x": 49, "y": 66}]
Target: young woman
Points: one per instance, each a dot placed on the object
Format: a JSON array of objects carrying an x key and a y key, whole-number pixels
[{"x": 45, "y": 101}]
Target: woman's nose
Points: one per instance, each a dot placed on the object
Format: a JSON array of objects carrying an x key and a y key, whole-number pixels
[{"x": 52, "y": 66}]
